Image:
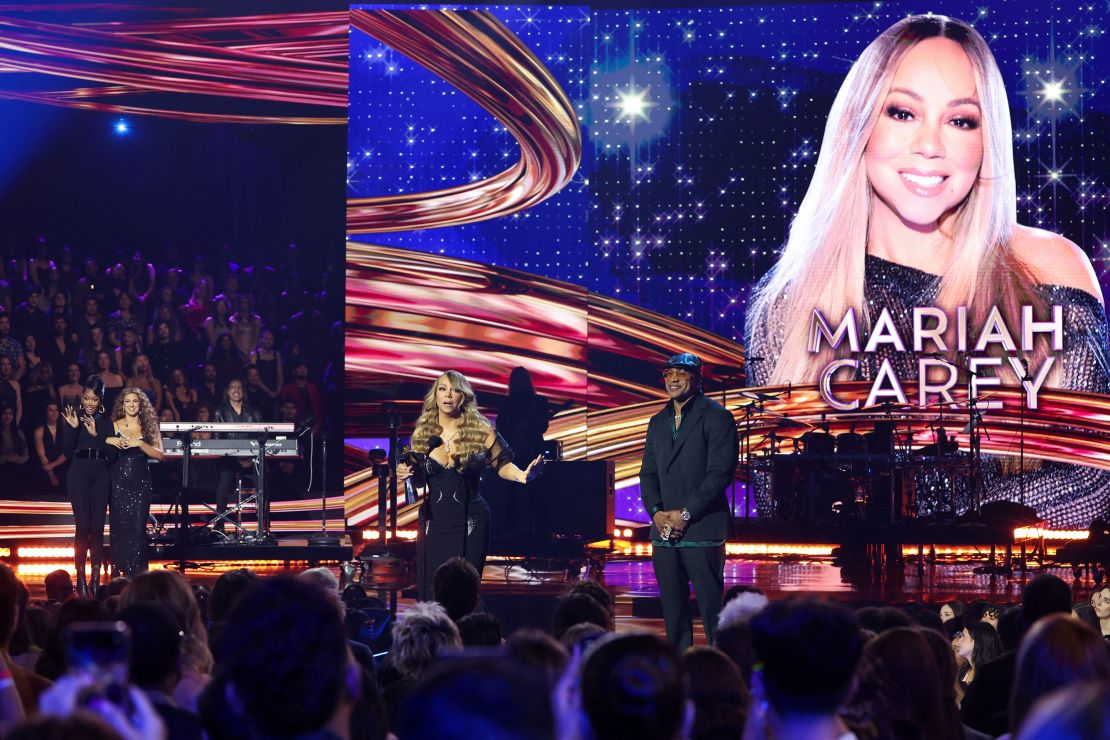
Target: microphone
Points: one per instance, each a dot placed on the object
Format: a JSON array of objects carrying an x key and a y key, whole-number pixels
[
  {"x": 1025, "y": 364},
  {"x": 415, "y": 459},
  {"x": 789, "y": 388}
]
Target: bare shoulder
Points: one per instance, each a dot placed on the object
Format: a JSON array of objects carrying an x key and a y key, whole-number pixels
[
  {"x": 489, "y": 434},
  {"x": 1055, "y": 260}
]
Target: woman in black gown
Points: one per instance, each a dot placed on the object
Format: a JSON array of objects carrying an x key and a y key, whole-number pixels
[
  {"x": 138, "y": 439},
  {"x": 452, "y": 443},
  {"x": 87, "y": 481}
]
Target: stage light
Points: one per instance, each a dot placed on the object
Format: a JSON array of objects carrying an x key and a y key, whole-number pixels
[
  {"x": 121, "y": 127},
  {"x": 759, "y": 548},
  {"x": 32, "y": 553},
  {"x": 1025, "y": 533},
  {"x": 402, "y": 534}
]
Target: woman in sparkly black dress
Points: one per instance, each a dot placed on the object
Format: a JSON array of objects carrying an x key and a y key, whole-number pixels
[
  {"x": 913, "y": 203},
  {"x": 138, "y": 439},
  {"x": 452, "y": 444}
]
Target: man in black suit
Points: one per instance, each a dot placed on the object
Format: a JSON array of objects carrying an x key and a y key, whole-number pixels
[{"x": 689, "y": 459}]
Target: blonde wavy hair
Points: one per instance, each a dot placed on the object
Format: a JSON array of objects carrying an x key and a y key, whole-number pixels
[
  {"x": 822, "y": 265},
  {"x": 170, "y": 589},
  {"x": 473, "y": 427},
  {"x": 148, "y": 420}
]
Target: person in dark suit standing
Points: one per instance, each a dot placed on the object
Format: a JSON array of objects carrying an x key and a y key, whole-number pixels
[{"x": 690, "y": 458}]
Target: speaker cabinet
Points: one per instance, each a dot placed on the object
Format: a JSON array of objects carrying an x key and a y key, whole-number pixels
[{"x": 574, "y": 500}]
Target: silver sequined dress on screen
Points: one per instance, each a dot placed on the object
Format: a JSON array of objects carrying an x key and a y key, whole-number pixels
[{"x": 1065, "y": 495}]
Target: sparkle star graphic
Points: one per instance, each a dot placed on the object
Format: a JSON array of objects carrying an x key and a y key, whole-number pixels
[{"x": 633, "y": 104}]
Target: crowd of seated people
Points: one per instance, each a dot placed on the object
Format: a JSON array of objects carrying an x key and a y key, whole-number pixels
[
  {"x": 283, "y": 657},
  {"x": 179, "y": 328}
]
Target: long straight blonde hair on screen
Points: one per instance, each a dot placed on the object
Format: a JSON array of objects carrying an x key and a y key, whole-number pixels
[{"x": 823, "y": 262}]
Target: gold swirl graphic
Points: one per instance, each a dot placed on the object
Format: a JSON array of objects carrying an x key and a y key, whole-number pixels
[{"x": 476, "y": 53}]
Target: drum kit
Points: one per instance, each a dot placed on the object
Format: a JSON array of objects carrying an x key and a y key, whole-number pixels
[{"x": 873, "y": 470}]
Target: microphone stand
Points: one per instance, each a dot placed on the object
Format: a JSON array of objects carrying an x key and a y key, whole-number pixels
[
  {"x": 974, "y": 422},
  {"x": 724, "y": 403},
  {"x": 323, "y": 539},
  {"x": 183, "y": 492},
  {"x": 380, "y": 463},
  {"x": 1023, "y": 381},
  {"x": 750, "y": 410},
  {"x": 392, "y": 422}
]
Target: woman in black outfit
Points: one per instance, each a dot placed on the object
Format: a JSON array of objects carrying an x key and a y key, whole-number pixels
[
  {"x": 86, "y": 433},
  {"x": 452, "y": 443},
  {"x": 50, "y": 448}
]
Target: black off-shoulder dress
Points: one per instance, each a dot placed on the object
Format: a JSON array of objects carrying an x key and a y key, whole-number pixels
[{"x": 454, "y": 518}]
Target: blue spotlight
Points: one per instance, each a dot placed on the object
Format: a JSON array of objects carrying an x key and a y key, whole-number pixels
[{"x": 121, "y": 127}]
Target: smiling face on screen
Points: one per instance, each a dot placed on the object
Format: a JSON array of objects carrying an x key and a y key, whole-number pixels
[{"x": 924, "y": 154}]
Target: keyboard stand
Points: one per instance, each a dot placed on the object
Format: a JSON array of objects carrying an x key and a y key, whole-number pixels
[{"x": 242, "y": 536}]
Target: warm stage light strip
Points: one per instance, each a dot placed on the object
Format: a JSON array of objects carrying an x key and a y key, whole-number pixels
[
  {"x": 1033, "y": 533},
  {"x": 62, "y": 508},
  {"x": 732, "y": 549},
  {"x": 30, "y": 553},
  {"x": 403, "y": 534},
  {"x": 473, "y": 51},
  {"x": 25, "y": 570},
  {"x": 66, "y": 531}
]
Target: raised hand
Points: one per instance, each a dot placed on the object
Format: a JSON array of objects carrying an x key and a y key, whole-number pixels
[
  {"x": 90, "y": 426},
  {"x": 403, "y": 471},
  {"x": 534, "y": 469},
  {"x": 70, "y": 415}
]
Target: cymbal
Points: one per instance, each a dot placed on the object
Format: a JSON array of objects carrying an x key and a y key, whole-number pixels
[
  {"x": 886, "y": 407},
  {"x": 978, "y": 422},
  {"x": 959, "y": 405},
  {"x": 770, "y": 426},
  {"x": 756, "y": 395}
]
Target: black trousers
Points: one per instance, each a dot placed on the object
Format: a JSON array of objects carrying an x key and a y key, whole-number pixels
[
  {"x": 89, "y": 487},
  {"x": 675, "y": 569}
]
